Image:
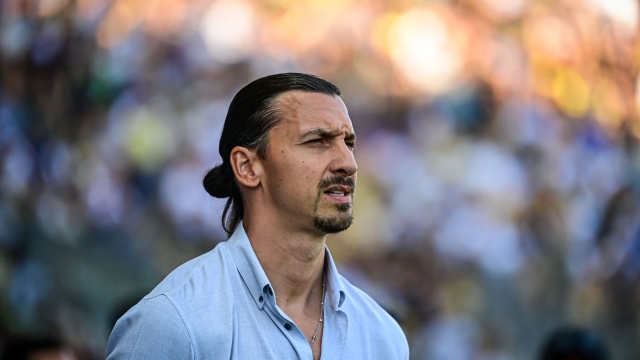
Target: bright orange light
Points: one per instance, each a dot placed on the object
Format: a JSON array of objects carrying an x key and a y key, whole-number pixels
[
  {"x": 638, "y": 94},
  {"x": 423, "y": 50},
  {"x": 164, "y": 17},
  {"x": 161, "y": 18},
  {"x": 551, "y": 37},
  {"x": 123, "y": 16},
  {"x": 48, "y": 8},
  {"x": 503, "y": 9},
  {"x": 228, "y": 30},
  {"x": 304, "y": 25},
  {"x": 380, "y": 38}
]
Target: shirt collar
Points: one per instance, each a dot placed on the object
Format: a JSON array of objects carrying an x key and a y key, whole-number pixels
[
  {"x": 254, "y": 276},
  {"x": 335, "y": 287},
  {"x": 248, "y": 264}
]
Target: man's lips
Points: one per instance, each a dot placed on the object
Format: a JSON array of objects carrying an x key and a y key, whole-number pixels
[{"x": 339, "y": 193}]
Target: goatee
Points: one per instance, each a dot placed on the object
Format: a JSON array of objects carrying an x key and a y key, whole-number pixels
[
  {"x": 341, "y": 221},
  {"x": 335, "y": 224}
]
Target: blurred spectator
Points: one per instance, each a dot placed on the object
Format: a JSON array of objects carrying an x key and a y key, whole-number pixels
[
  {"x": 574, "y": 343},
  {"x": 26, "y": 348}
]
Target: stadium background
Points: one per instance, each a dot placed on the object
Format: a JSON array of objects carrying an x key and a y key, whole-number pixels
[{"x": 497, "y": 147}]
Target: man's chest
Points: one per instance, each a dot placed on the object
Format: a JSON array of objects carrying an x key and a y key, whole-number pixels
[{"x": 244, "y": 331}]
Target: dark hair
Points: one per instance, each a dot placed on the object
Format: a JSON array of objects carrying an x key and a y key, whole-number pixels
[
  {"x": 572, "y": 342},
  {"x": 252, "y": 113}
]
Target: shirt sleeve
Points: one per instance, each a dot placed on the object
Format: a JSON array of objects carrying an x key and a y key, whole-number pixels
[
  {"x": 153, "y": 329},
  {"x": 406, "y": 350}
]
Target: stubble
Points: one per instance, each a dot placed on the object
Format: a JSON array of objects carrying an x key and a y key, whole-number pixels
[{"x": 341, "y": 221}]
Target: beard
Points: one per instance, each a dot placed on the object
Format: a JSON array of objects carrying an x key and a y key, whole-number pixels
[
  {"x": 335, "y": 224},
  {"x": 344, "y": 218}
]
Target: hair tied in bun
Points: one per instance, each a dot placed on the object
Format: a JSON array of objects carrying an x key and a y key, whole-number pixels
[{"x": 218, "y": 182}]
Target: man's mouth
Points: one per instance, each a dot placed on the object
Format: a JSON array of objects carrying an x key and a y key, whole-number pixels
[
  {"x": 339, "y": 193},
  {"x": 337, "y": 190}
]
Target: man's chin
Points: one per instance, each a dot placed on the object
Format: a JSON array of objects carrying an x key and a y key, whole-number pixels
[{"x": 333, "y": 224}]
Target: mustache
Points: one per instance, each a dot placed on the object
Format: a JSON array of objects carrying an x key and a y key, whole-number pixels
[{"x": 337, "y": 180}]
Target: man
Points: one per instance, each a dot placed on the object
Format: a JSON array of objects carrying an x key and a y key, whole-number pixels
[{"x": 272, "y": 290}]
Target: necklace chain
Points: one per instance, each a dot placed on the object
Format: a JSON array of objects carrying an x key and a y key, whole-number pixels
[{"x": 324, "y": 288}]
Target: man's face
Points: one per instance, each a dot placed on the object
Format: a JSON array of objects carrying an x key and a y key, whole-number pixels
[{"x": 310, "y": 171}]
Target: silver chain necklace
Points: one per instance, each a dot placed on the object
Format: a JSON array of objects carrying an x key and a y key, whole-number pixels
[{"x": 324, "y": 288}]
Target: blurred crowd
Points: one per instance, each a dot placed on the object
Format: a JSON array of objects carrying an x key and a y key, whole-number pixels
[{"x": 499, "y": 164}]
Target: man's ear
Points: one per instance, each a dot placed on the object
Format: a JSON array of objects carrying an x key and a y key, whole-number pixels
[{"x": 246, "y": 166}]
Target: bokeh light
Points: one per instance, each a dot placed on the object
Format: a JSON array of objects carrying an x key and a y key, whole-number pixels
[
  {"x": 423, "y": 50},
  {"x": 228, "y": 30}
]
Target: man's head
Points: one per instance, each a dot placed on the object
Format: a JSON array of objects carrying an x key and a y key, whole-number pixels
[{"x": 290, "y": 136}]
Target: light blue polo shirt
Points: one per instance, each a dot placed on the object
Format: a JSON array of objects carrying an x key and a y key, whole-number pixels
[{"x": 221, "y": 305}]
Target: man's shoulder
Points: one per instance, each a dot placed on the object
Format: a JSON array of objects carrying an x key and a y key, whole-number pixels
[
  {"x": 191, "y": 304},
  {"x": 199, "y": 272}
]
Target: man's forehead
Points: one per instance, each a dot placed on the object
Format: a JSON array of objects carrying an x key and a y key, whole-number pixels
[{"x": 309, "y": 109}]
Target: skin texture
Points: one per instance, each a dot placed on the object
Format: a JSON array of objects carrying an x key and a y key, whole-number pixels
[{"x": 312, "y": 145}]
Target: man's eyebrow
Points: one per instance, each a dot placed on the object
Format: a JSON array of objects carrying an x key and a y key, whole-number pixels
[
  {"x": 350, "y": 137},
  {"x": 326, "y": 133}
]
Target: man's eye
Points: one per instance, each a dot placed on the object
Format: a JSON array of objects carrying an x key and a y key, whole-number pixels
[
  {"x": 317, "y": 141},
  {"x": 351, "y": 145}
]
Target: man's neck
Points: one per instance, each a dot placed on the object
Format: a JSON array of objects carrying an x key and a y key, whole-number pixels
[
  {"x": 293, "y": 262},
  {"x": 292, "y": 256}
]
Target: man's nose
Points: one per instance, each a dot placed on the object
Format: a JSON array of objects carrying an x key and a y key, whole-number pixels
[{"x": 344, "y": 162}]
